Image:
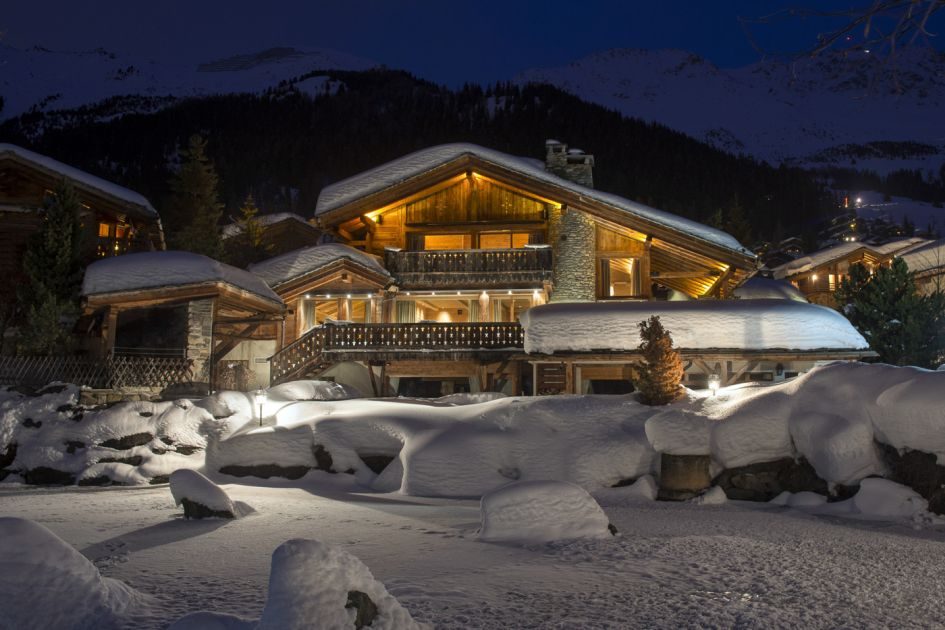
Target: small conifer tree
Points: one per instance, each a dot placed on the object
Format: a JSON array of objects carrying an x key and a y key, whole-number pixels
[
  {"x": 193, "y": 216},
  {"x": 660, "y": 373},
  {"x": 248, "y": 246},
  {"x": 53, "y": 269},
  {"x": 902, "y": 326}
]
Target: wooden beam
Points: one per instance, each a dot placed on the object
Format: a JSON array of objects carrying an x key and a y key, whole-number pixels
[
  {"x": 691, "y": 273},
  {"x": 718, "y": 287},
  {"x": 369, "y": 223},
  {"x": 373, "y": 380},
  {"x": 733, "y": 378}
]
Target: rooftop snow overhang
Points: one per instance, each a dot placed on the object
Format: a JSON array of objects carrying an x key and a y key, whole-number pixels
[
  {"x": 229, "y": 295},
  {"x": 91, "y": 184},
  {"x": 386, "y": 184}
]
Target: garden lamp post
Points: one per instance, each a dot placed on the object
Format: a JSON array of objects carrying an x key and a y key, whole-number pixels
[
  {"x": 714, "y": 383},
  {"x": 260, "y": 398}
]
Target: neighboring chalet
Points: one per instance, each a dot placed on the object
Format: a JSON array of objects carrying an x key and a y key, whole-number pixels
[
  {"x": 115, "y": 220},
  {"x": 281, "y": 232},
  {"x": 927, "y": 262},
  {"x": 460, "y": 268},
  {"x": 818, "y": 274}
]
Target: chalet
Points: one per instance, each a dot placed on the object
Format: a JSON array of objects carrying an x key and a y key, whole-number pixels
[
  {"x": 927, "y": 262},
  {"x": 116, "y": 220},
  {"x": 461, "y": 268},
  {"x": 281, "y": 232},
  {"x": 819, "y": 274}
]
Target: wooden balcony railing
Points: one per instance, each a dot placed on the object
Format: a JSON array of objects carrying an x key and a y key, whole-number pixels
[
  {"x": 313, "y": 350},
  {"x": 442, "y": 268}
]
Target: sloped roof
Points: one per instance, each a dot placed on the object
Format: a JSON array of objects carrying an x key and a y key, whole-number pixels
[
  {"x": 415, "y": 164},
  {"x": 236, "y": 228},
  {"x": 300, "y": 262},
  {"x": 78, "y": 177},
  {"x": 156, "y": 270},
  {"x": 930, "y": 255},
  {"x": 828, "y": 254}
]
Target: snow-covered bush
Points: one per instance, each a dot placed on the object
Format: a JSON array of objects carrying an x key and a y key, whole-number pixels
[
  {"x": 45, "y": 583},
  {"x": 202, "y": 498},
  {"x": 884, "y": 498},
  {"x": 311, "y": 583},
  {"x": 51, "y": 438},
  {"x": 541, "y": 511}
]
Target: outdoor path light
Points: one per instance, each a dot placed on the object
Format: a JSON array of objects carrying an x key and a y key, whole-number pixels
[{"x": 260, "y": 398}]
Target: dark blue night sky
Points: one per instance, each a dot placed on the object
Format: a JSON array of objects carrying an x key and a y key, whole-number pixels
[{"x": 447, "y": 42}]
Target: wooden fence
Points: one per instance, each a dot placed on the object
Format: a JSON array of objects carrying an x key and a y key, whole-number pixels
[{"x": 112, "y": 373}]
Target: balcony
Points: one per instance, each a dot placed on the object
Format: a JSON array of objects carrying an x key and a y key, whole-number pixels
[
  {"x": 479, "y": 268},
  {"x": 324, "y": 345}
]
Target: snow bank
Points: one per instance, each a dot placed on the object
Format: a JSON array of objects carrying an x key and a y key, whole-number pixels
[
  {"x": 799, "y": 499},
  {"x": 299, "y": 262},
  {"x": 643, "y": 489},
  {"x": 45, "y": 583},
  {"x": 309, "y": 586},
  {"x": 194, "y": 487},
  {"x": 759, "y": 288},
  {"x": 884, "y": 498},
  {"x": 539, "y": 512},
  {"x": 134, "y": 272},
  {"x": 712, "y": 496},
  {"x": 679, "y": 432},
  {"x": 697, "y": 324},
  {"x": 128, "y": 443},
  {"x": 312, "y": 390},
  {"x": 459, "y": 450}
]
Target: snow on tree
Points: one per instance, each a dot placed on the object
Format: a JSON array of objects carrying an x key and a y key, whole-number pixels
[
  {"x": 904, "y": 327},
  {"x": 53, "y": 268},
  {"x": 659, "y": 374},
  {"x": 193, "y": 215}
]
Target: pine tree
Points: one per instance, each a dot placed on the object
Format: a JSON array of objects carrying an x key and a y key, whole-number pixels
[
  {"x": 737, "y": 224},
  {"x": 248, "y": 246},
  {"x": 902, "y": 326},
  {"x": 660, "y": 373},
  {"x": 193, "y": 216},
  {"x": 53, "y": 268}
]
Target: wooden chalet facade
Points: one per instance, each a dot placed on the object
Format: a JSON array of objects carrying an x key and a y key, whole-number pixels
[
  {"x": 819, "y": 274},
  {"x": 115, "y": 220},
  {"x": 469, "y": 239},
  {"x": 434, "y": 261}
]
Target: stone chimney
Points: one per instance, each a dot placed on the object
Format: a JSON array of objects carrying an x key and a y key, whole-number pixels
[
  {"x": 572, "y": 233},
  {"x": 571, "y": 164}
]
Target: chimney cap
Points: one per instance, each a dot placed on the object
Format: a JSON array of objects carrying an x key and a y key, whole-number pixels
[
  {"x": 552, "y": 142},
  {"x": 576, "y": 151}
]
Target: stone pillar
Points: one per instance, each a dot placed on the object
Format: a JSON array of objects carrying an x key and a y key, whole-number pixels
[
  {"x": 200, "y": 338},
  {"x": 575, "y": 250}
]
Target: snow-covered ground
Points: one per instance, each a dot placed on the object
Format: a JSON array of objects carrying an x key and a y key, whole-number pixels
[{"x": 671, "y": 565}]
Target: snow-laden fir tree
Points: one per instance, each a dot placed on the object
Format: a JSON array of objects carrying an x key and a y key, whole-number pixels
[
  {"x": 193, "y": 216},
  {"x": 53, "y": 269},
  {"x": 902, "y": 326},
  {"x": 659, "y": 374}
]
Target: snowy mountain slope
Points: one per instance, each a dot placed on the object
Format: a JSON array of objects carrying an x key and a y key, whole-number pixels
[
  {"x": 833, "y": 109},
  {"x": 39, "y": 79}
]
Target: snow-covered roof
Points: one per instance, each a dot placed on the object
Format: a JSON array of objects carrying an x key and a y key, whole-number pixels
[
  {"x": 79, "y": 177},
  {"x": 299, "y": 262},
  {"x": 415, "y": 164},
  {"x": 930, "y": 255},
  {"x": 235, "y": 228},
  {"x": 700, "y": 324},
  {"x": 759, "y": 288},
  {"x": 155, "y": 270},
  {"x": 824, "y": 256}
]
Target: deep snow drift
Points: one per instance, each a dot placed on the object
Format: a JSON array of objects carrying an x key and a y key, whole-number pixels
[
  {"x": 530, "y": 512},
  {"x": 45, "y": 583}
]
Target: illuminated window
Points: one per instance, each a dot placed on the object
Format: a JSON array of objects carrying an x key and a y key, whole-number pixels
[
  {"x": 121, "y": 231},
  {"x": 619, "y": 277},
  {"x": 104, "y": 230},
  {"x": 503, "y": 240},
  {"x": 446, "y": 241}
]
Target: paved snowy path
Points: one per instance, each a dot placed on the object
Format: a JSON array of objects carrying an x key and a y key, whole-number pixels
[{"x": 674, "y": 565}]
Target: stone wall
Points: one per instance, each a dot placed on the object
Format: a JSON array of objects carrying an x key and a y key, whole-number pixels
[
  {"x": 200, "y": 337},
  {"x": 575, "y": 244}
]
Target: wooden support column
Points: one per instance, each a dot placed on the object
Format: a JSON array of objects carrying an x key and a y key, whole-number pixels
[
  {"x": 370, "y": 368},
  {"x": 646, "y": 281},
  {"x": 515, "y": 377},
  {"x": 109, "y": 328},
  {"x": 569, "y": 378}
]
